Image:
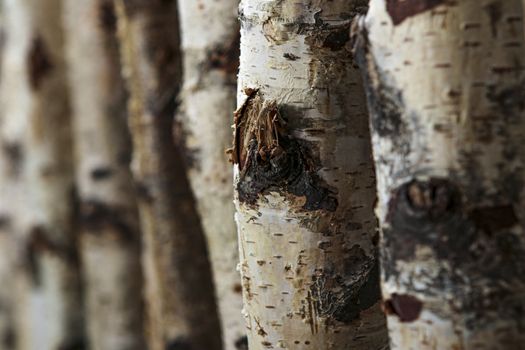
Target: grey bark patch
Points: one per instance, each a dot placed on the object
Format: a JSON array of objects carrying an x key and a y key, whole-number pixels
[
  {"x": 39, "y": 63},
  {"x": 406, "y": 307},
  {"x": 271, "y": 160},
  {"x": 14, "y": 155},
  {"x": 400, "y": 10},
  {"x": 510, "y": 101}
]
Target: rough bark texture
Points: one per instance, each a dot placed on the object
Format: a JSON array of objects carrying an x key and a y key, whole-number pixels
[
  {"x": 37, "y": 139},
  {"x": 446, "y": 92},
  {"x": 210, "y": 44},
  {"x": 304, "y": 181},
  {"x": 180, "y": 292},
  {"x": 109, "y": 236}
]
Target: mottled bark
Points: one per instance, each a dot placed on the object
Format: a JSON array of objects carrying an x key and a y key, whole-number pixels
[
  {"x": 210, "y": 47},
  {"x": 180, "y": 293},
  {"x": 7, "y": 234},
  {"x": 304, "y": 181},
  {"x": 445, "y": 88},
  {"x": 36, "y": 132},
  {"x": 109, "y": 227}
]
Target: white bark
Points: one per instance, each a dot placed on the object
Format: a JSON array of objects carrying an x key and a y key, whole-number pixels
[
  {"x": 445, "y": 88},
  {"x": 37, "y": 124},
  {"x": 180, "y": 297},
  {"x": 110, "y": 235},
  {"x": 304, "y": 181},
  {"x": 210, "y": 39}
]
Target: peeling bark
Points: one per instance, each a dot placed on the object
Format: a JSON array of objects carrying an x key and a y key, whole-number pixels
[
  {"x": 109, "y": 229},
  {"x": 210, "y": 48},
  {"x": 36, "y": 138},
  {"x": 304, "y": 181},
  {"x": 180, "y": 294},
  {"x": 445, "y": 90}
]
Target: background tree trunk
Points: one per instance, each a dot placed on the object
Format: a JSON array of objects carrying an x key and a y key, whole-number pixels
[
  {"x": 210, "y": 44},
  {"x": 446, "y": 89},
  {"x": 177, "y": 260},
  {"x": 305, "y": 186},
  {"x": 8, "y": 246},
  {"x": 109, "y": 236},
  {"x": 35, "y": 102}
]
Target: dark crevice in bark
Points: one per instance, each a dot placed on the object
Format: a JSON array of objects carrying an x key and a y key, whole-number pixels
[
  {"x": 106, "y": 15},
  {"x": 241, "y": 343},
  {"x": 270, "y": 159},
  {"x": 224, "y": 57},
  {"x": 39, "y": 63}
]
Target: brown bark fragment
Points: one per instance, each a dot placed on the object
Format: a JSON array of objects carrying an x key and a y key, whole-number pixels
[
  {"x": 399, "y": 10},
  {"x": 406, "y": 307}
]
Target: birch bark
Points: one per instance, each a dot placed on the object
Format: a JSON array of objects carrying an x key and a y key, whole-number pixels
[
  {"x": 304, "y": 181},
  {"x": 181, "y": 297},
  {"x": 8, "y": 247},
  {"x": 445, "y": 88},
  {"x": 210, "y": 47},
  {"x": 37, "y": 135},
  {"x": 110, "y": 235}
]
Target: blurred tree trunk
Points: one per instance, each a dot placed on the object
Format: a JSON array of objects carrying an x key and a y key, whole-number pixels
[
  {"x": 180, "y": 298},
  {"x": 36, "y": 110},
  {"x": 8, "y": 247},
  {"x": 210, "y": 44},
  {"x": 446, "y": 92},
  {"x": 304, "y": 186},
  {"x": 110, "y": 235}
]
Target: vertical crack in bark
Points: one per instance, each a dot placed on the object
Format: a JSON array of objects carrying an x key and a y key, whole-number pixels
[{"x": 39, "y": 63}]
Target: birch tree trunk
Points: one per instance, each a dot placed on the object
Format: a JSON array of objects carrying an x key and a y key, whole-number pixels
[
  {"x": 304, "y": 183},
  {"x": 210, "y": 44},
  {"x": 8, "y": 247},
  {"x": 445, "y": 88},
  {"x": 35, "y": 103},
  {"x": 110, "y": 236},
  {"x": 181, "y": 297}
]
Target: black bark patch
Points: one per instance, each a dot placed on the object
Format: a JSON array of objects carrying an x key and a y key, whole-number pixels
[
  {"x": 271, "y": 160},
  {"x": 290, "y": 56},
  {"x": 406, "y": 307},
  {"x": 343, "y": 297},
  {"x": 224, "y": 57},
  {"x": 178, "y": 344},
  {"x": 78, "y": 344},
  {"x": 106, "y": 16},
  {"x": 493, "y": 219},
  {"x": 39, "y": 63},
  {"x": 242, "y": 343},
  {"x": 101, "y": 173},
  {"x": 337, "y": 38},
  {"x": 97, "y": 218},
  {"x": 399, "y": 10},
  {"x": 494, "y": 12}
]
